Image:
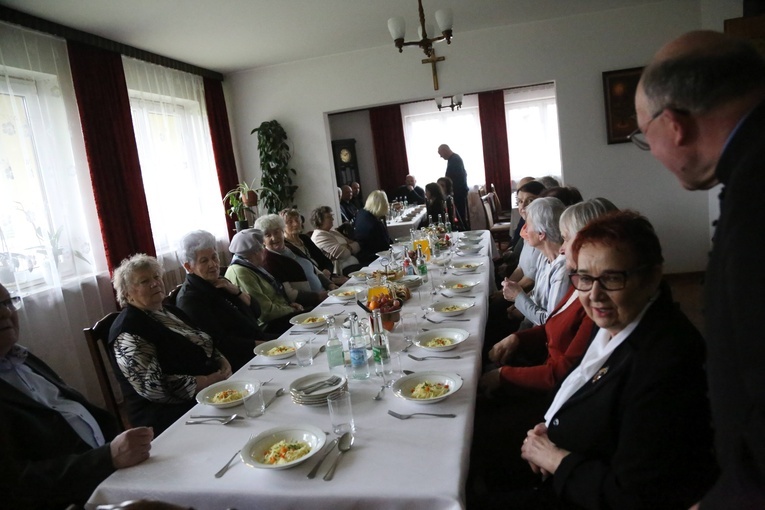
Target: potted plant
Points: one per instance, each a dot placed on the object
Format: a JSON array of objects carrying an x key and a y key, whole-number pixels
[
  {"x": 242, "y": 199},
  {"x": 276, "y": 175}
]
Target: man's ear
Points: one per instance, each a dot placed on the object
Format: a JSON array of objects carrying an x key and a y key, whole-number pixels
[{"x": 682, "y": 127}]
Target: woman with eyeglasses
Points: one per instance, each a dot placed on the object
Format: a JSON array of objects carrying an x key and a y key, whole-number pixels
[
  {"x": 630, "y": 426},
  {"x": 340, "y": 249}
]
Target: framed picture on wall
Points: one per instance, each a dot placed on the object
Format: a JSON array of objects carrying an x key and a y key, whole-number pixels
[{"x": 619, "y": 90}]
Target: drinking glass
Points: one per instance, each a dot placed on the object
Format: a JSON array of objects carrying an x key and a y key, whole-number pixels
[
  {"x": 409, "y": 326},
  {"x": 341, "y": 412},
  {"x": 254, "y": 405},
  {"x": 304, "y": 353}
]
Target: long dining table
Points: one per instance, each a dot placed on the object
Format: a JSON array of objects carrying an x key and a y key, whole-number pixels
[
  {"x": 419, "y": 463},
  {"x": 411, "y": 218}
]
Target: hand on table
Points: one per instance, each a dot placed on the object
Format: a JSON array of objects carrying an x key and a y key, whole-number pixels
[{"x": 131, "y": 447}]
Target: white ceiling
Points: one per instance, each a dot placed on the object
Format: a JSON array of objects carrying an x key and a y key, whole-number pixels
[{"x": 232, "y": 35}]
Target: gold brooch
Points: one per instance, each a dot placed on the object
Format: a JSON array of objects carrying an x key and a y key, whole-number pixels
[{"x": 600, "y": 374}]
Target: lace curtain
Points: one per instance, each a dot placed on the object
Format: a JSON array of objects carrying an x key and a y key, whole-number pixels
[
  {"x": 51, "y": 252},
  {"x": 177, "y": 162}
]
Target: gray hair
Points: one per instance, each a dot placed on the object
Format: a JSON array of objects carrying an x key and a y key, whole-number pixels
[
  {"x": 575, "y": 217},
  {"x": 193, "y": 242},
  {"x": 270, "y": 222},
  {"x": 377, "y": 203},
  {"x": 318, "y": 215},
  {"x": 121, "y": 279},
  {"x": 549, "y": 181},
  {"x": 716, "y": 71},
  {"x": 545, "y": 213}
]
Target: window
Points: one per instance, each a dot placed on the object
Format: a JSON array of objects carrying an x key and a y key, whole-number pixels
[
  {"x": 44, "y": 236},
  {"x": 425, "y": 128},
  {"x": 532, "y": 131},
  {"x": 175, "y": 152}
]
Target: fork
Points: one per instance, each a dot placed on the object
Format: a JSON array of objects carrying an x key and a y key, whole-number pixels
[
  {"x": 446, "y": 320},
  {"x": 318, "y": 385},
  {"x": 407, "y": 416},
  {"x": 278, "y": 367},
  {"x": 423, "y": 358}
]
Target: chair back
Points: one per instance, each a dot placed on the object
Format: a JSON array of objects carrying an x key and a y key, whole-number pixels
[
  {"x": 96, "y": 338},
  {"x": 486, "y": 203},
  {"x": 171, "y": 298}
]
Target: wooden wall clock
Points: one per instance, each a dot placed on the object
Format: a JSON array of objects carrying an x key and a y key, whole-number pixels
[{"x": 346, "y": 164}]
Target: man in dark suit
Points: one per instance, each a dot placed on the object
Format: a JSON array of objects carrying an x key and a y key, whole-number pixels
[
  {"x": 410, "y": 191},
  {"x": 357, "y": 199},
  {"x": 347, "y": 209},
  {"x": 701, "y": 111},
  {"x": 455, "y": 170},
  {"x": 54, "y": 445}
]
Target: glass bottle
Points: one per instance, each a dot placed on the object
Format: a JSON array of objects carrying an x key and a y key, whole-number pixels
[
  {"x": 430, "y": 220},
  {"x": 440, "y": 227},
  {"x": 358, "y": 348},
  {"x": 380, "y": 345},
  {"x": 335, "y": 356},
  {"x": 422, "y": 265}
]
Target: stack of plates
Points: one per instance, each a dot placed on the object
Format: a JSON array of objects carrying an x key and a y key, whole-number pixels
[{"x": 317, "y": 398}]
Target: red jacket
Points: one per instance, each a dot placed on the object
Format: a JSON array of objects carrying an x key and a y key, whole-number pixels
[{"x": 567, "y": 335}]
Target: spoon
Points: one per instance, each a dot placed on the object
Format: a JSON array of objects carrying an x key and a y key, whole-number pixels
[
  {"x": 346, "y": 441},
  {"x": 278, "y": 393},
  {"x": 225, "y": 421},
  {"x": 321, "y": 349}
]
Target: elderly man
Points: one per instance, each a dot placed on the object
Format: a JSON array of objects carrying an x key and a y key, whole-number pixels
[
  {"x": 54, "y": 445},
  {"x": 410, "y": 191},
  {"x": 357, "y": 200},
  {"x": 701, "y": 111},
  {"x": 455, "y": 170},
  {"x": 347, "y": 209}
]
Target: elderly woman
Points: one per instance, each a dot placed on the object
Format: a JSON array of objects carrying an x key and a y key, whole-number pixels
[
  {"x": 337, "y": 247},
  {"x": 217, "y": 306},
  {"x": 564, "y": 336},
  {"x": 550, "y": 284},
  {"x": 519, "y": 264},
  {"x": 370, "y": 229},
  {"x": 630, "y": 426},
  {"x": 435, "y": 201},
  {"x": 247, "y": 272},
  {"x": 302, "y": 281},
  {"x": 303, "y": 247},
  {"x": 162, "y": 359}
]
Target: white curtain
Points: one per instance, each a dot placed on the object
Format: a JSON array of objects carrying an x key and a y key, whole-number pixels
[
  {"x": 425, "y": 128},
  {"x": 532, "y": 131},
  {"x": 51, "y": 252},
  {"x": 177, "y": 164}
]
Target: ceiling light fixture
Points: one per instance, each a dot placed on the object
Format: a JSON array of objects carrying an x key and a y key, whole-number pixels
[
  {"x": 455, "y": 102},
  {"x": 397, "y": 28}
]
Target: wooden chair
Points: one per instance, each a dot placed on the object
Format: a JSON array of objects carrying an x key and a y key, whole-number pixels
[
  {"x": 171, "y": 298},
  {"x": 500, "y": 232},
  {"x": 502, "y": 215},
  {"x": 96, "y": 337}
]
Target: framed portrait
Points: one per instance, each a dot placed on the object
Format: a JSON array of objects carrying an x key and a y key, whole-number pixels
[{"x": 619, "y": 90}]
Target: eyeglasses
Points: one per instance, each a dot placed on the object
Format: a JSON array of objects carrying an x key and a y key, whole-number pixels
[
  {"x": 638, "y": 137},
  {"x": 12, "y": 303},
  {"x": 610, "y": 280}
]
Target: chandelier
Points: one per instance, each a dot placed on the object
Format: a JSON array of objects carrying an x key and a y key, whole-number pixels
[
  {"x": 455, "y": 102},
  {"x": 397, "y": 29}
]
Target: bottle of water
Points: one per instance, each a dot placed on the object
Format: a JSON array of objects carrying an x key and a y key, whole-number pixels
[
  {"x": 358, "y": 348},
  {"x": 422, "y": 265},
  {"x": 335, "y": 356},
  {"x": 380, "y": 345}
]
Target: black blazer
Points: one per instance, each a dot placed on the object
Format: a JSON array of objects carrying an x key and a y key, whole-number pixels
[
  {"x": 43, "y": 462},
  {"x": 372, "y": 235},
  {"x": 232, "y": 325},
  {"x": 733, "y": 307},
  {"x": 639, "y": 431}
]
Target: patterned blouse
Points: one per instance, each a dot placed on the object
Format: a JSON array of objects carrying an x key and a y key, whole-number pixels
[{"x": 137, "y": 359}]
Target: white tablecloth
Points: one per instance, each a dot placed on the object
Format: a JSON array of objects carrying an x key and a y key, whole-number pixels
[
  {"x": 420, "y": 463},
  {"x": 398, "y": 228}
]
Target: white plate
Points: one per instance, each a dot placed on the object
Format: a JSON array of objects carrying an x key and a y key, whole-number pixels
[
  {"x": 470, "y": 240},
  {"x": 463, "y": 304},
  {"x": 300, "y": 320},
  {"x": 252, "y": 452},
  {"x": 469, "y": 249},
  {"x": 206, "y": 395},
  {"x": 472, "y": 234},
  {"x": 262, "y": 349},
  {"x": 361, "y": 274},
  {"x": 404, "y": 386},
  {"x": 346, "y": 293},
  {"x": 301, "y": 382},
  {"x": 457, "y": 336},
  {"x": 467, "y": 265},
  {"x": 467, "y": 284},
  {"x": 410, "y": 281}
]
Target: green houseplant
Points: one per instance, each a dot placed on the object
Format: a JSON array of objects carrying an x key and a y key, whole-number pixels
[
  {"x": 276, "y": 175},
  {"x": 242, "y": 199}
]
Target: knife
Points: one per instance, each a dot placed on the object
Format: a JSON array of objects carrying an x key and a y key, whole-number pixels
[{"x": 315, "y": 469}]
